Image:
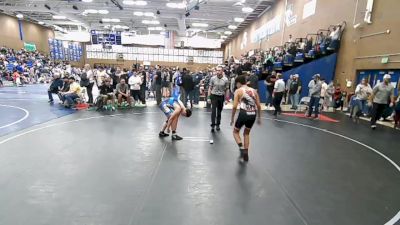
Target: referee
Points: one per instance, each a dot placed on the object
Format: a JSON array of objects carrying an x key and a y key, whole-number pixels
[
  {"x": 219, "y": 88},
  {"x": 279, "y": 91}
]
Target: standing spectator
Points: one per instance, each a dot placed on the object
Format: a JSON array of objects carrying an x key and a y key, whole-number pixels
[
  {"x": 196, "y": 91},
  {"x": 324, "y": 88},
  {"x": 279, "y": 90},
  {"x": 288, "y": 83},
  {"x": 382, "y": 94},
  {"x": 165, "y": 83},
  {"x": 135, "y": 82},
  {"x": 143, "y": 87},
  {"x": 188, "y": 86},
  {"x": 253, "y": 80},
  {"x": 362, "y": 93},
  {"x": 397, "y": 114},
  {"x": 157, "y": 83},
  {"x": 290, "y": 39},
  {"x": 315, "y": 94},
  {"x": 179, "y": 81},
  {"x": 90, "y": 77},
  {"x": 270, "y": 83},
  {"x": 295, "y": 91},
  {"x": 219, "y": 88},
  {"x": 122, "y": 90},
  {"x": 101, "y": 76}
]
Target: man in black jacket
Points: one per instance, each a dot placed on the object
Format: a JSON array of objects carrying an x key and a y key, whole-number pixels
[
  {"x": 55, "y": 87},
  {"x": 188, "y": 86}
]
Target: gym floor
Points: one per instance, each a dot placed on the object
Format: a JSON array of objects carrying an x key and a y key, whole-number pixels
[{"x": 87, "y": 167}]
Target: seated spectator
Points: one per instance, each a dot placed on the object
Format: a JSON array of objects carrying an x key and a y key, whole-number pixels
[
  {"x": 122, "y": 90},
  {"x": 338, "y": 98},
  {"x": 73, "y": 93},
  {"x": 55, "y": 86},
  {"x": 107, "y": 94},
  {"x": 135, "y": 82}
]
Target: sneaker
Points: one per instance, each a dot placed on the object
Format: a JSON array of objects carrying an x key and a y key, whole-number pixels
[
  {"x": 163, "y": 134},
  {"x": 50, "y": 101},
  {"x": 175, "y": 137},
  {"x": 218, "y": 128},
  {"x": 373, "y": 127},
  {"x": 212, "y": 130}
]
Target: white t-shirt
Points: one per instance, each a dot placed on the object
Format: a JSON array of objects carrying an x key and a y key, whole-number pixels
[
  {"x": 324, "y": 88},
  {"x": 279, "y": 86},
  {"x": 135, "y": 82}
]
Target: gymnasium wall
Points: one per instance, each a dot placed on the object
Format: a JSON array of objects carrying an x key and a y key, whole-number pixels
[
  {"x": 33, "y": 33},
  {"x": 384, "y": 17}
]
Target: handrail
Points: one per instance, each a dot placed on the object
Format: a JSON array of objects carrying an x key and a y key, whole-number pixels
[{"x": 377, "y": 56}]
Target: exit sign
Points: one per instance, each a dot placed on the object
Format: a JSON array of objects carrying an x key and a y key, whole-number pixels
[{"x": 385, "y": 60}]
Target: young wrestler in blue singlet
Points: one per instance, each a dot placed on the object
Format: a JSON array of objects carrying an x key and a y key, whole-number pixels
[{"x": 173, "y": 108}]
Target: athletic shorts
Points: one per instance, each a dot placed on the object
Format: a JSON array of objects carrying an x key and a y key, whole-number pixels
[
  {"x": 246, "y": 119},
  {"x": 166, "y": 109}
]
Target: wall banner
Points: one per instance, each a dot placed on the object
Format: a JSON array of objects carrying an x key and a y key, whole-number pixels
[
  {"x": 271, "y": 27},
  {"x": 309, "y": 8},
  {"x": 290, "y": 18}
]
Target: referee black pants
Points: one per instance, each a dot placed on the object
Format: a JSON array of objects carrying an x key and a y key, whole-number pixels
[
  {"x": 277, "y": 102},
  {"x": 217, "y": 104}
]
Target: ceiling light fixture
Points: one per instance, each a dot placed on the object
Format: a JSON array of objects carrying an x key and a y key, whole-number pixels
[
  {"x": 155, "y": 28},
  {"x": 224, "y": 37},
  {"x": 130, "y": 2},
  {"x": 232, "y": 27},
  {"x": 19, "y": 16},
  {"x": 153, "y": 22},
  {"x": 174, "y": 5},
  {"x": 103, "y": 11},
  {"x": 90, "y": 11},
  {"x": 41, "y": 23},
  {"x": 247, "y": 9},
  {"x": 87, "y": 0},
  {"x": 199, "y": 24},
  {"x": 149, "y": 14},
  {"x": 228, "y": 32},
  {"x": 57, "y": 17},
  {"x": 238, "y": 19},
  {"x": 162, "y": 32},
  {"x": 138, "y": 13}
]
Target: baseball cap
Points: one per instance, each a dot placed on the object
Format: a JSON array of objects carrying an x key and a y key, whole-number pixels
[
  {"x": 387, "y": 76},
  {"x": 316, "y": 75}
]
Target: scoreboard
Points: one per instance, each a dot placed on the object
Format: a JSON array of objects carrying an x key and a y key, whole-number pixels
[{"x": 108, "y": 38}]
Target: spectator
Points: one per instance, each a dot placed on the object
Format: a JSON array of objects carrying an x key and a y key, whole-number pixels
[
  {"x": 279, "y": 90},
  {"x": 253, "y": 81},
  {"x": 188, "y": 86},
  {"x": 362, "y": 93},
  {"x": 287, "y": 93},
  {"x": 382, "y": 94},
  {"x": 196, "y": 92},
  {"x": 107, "y": 94},
  {"x": 295, "y": 91},
  {"x": 135, "y": 82},
  {"x": 338, "y": 98},
  {"x": 291, "y": 40},
  {"x": 324, "y": 88},
  {"x": 55, "y": 87},
  {"x": 123, "y": 93},
  {"x": 165, "y": 83},
  {"x": 144, "y": 78},
  {"x": 157, "y": 83},
  {"x": 315, "y": 93},
  {"x": 101, "y": 76},
  {"x": 270, "y": 83},
  {"x": 72, "y": 94},
  {"x": 397, "y": 114}
]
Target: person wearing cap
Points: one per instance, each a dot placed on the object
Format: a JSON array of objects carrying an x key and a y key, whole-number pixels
[
  {"x": 279, "y": 90},
  {"x": 382, "y": 94},
  {"x": 314, "y": 87}
]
